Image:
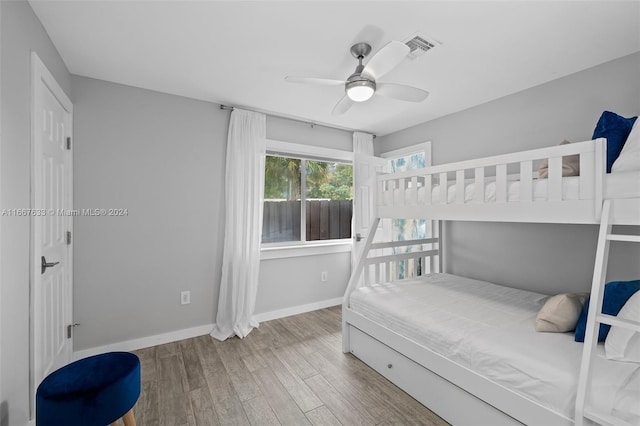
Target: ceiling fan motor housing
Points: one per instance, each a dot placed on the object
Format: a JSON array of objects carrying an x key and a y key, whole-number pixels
[{"x": 360, "y": 50}]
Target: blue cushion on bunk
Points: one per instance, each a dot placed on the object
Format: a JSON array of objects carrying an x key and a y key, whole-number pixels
[
  {"x": 615, "y": 129},
  {"x": 616, "y": 294},
  {"x": 93, "y": 391}
]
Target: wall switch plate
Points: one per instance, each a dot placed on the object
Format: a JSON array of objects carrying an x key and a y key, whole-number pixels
[
  {"x": 323, "y": 276},
  {"x": 185, "y": 297}
]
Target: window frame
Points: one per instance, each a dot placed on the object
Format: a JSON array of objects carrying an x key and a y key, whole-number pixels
[
  {"x": 409, "y": 150},
  {"x": 305, "y": 248}
]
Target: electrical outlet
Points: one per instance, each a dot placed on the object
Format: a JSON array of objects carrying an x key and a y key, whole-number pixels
[
  {"x": 185, "y": 297},
  {"x": 323, "y": 276}
]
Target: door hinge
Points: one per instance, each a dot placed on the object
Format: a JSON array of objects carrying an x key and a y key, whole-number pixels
[
  {"x": 68, "y": 142},
  {"x": 70, "y": 328},
  {"x": 68, "y": 237}
]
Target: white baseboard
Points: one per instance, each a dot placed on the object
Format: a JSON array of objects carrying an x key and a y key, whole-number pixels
[
  {"x": 145, "y": 342},
  {"x": 187, "y": 333},
  {"x": 301, "y": 309}
]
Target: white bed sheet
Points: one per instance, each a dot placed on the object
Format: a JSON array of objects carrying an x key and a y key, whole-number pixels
[
  {"x": 616, "y": 185},
  {"x": 490, "y": 330}
]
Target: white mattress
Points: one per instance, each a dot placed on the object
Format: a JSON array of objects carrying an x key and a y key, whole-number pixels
[
  {"x": 490, "y": 330},
  {"x": 616, "y": 185}
]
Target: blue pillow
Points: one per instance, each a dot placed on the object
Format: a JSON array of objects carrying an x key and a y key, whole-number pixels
[
  {"x": 616, "y": 294},
  {"x": 615, "y": 129}
]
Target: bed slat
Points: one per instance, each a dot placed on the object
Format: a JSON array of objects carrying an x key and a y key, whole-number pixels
[
  {"x": 554, "y": 189},
  {"x": 428, "y": 184},
  {"x": 478, "y": 195},
  {"x": 501, "y": 183},
  {"x": 385, "y": 259},
  {"x": 367, "y": 279},
  {"x": 460, "y": 187},
  {"x": 444, "y": 188},
  {"x": 403, "y": 243},
  {"x": 526, "y": 181},
  {"x": 414, "y": 185}
]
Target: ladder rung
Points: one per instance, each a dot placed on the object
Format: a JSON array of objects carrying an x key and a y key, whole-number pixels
[
  {"x": 621, "y": 237},
  {"x": 604, "y": 419},
  {"x": 618, "y": 322}
]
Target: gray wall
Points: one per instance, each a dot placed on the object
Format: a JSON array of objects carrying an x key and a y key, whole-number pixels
[
  {"x": 294, "y": 281},
  {"x": 547, "y": 258},
  {"x": 282, "y": 129},
  {"x": 21, "y": 34},
  {"x": 291, "y": 282},
  {"x": 162, "y": 157}
]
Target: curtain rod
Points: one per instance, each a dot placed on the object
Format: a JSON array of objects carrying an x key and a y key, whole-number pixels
[{"x": 230, "y": 108}]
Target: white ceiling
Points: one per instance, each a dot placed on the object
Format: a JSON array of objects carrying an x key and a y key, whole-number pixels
[{"x": 238, "y": 52}]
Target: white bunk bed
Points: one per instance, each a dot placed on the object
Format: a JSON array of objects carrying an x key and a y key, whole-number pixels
[{"x": 402, "y": 329}]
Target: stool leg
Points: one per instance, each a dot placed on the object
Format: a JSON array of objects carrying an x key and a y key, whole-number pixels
[{"x": 128, "y": 418}]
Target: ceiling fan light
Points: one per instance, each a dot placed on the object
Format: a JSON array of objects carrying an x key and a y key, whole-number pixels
[{"x": 360, "y": 90}]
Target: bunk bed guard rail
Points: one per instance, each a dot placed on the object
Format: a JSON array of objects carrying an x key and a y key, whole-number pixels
[
  {"x": 379, "y": 263},
  {"x": 500, "y": 188}
]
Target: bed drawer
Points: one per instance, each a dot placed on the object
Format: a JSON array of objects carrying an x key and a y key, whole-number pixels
[{"x": 447, "y": 400}]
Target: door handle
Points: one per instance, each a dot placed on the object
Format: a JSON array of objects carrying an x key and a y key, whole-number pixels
[
  {"x": 44, "y": 265},
  {"x": 358, "y": 238},
  {"x": 70, "y": 327}
]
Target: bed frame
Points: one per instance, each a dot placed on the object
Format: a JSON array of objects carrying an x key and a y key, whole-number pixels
[{"x": 452, "y": 391}]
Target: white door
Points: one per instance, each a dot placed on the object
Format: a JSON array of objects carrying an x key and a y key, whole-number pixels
[
  {"x": 364, "y": 206},
  {"x": 51, "y": 198}
]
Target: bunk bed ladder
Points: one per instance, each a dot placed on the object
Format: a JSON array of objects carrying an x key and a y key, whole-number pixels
[{"x": 595, "y": 318}]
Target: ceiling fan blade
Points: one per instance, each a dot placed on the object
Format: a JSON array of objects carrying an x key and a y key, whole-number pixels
[
  {"x": 342, "y": 106},
  {"x": 313, "y": 80},
  {"x": 386, "y": 59},
  {"x": 402, "y": 92}
]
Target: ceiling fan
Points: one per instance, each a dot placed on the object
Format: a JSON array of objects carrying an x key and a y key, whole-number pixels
[{"x": 362, "y": 85}]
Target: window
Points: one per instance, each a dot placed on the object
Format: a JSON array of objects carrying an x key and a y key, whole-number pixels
[
  {"x": 306, "y": 199},
  {"x": 408, "y": 229},
  {"x": 411, "y": 158}
]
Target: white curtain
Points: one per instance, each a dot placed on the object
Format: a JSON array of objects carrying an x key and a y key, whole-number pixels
[
  {"x": 244, "y": 194},
  {"x": 362, "y": 143},
  {"x": 362, "y": 146}
]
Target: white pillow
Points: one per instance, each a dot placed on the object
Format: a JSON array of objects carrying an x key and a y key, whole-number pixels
[
  {"x": 560, "y": 313},
  {"x": 623, "y": 344},
  {"x": 629, "y": 158}
]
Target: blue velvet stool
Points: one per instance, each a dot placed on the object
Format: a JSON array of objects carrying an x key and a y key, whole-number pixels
[{"x": 94, "y": 391}]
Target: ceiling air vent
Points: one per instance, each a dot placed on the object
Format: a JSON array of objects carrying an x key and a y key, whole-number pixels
[{"x": 419, "y": 45}]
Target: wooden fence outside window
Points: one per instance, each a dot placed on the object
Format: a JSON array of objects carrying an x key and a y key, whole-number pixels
[{"x": 325, "y": 220}]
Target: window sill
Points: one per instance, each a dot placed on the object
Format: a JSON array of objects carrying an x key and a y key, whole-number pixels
[{"x": 306, "y": 249}]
